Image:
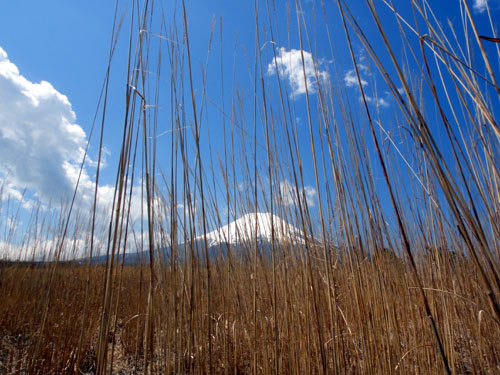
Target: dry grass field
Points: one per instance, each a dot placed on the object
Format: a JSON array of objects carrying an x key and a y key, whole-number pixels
[
  {"x": 378, "y": 325},
  {"x": 394, "y": 267}
]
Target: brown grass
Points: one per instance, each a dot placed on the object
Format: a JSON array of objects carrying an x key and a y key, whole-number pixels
[
  {"x": 379, "y": 325},
  {"x": 398, "y": 269}
]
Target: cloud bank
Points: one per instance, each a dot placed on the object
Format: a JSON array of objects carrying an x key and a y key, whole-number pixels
[
  {"x": 289, "y": 65},
  {"x": 41, "y": 146},
  {"x": 41, "y": 151}
]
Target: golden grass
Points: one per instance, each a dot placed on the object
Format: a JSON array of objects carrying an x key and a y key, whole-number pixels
[
  {"x": 399, "y": 268},
  {"x": 379, "y": 325}
]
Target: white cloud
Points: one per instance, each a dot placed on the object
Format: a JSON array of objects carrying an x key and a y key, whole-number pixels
[
  {"x": 479, "y": 5},
  {"x": 289, "y": 65},
  {"x": 41, "y": 151},
  {"x": 41, "y": 146},
  {"x": 381, "y": 102},
  {"x": 351, "y": 80},
  {"x": 289, "y": 194},
  {"x": 12, "y": 224},
  {"x": 243, "y": 186},
  {"x": 310, "y": 195},
  {"x": 11, "y": 251}
]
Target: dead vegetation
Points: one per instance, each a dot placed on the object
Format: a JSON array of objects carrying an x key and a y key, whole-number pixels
[{"x": 398, "y": 265}]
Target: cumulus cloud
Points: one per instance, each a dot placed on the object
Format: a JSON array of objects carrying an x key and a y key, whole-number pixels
[
  {"x": 41, "y": 153},
  {"x": 289, "y": 66},
  {"x": 41, "y": 146},
  {"x": 378, "y": 101},
  {"x": 479, "y": 5},
  {"x": 382, "y": 102},
  {"x": 243, "y": 186},
  {"x": 289, "y": 194},
  {"x": 351, "y": 80}
]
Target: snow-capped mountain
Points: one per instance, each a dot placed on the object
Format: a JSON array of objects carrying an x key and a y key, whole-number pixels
[
  {"x": 243, "y": 230},
  {"x": 239, "y": 234}
]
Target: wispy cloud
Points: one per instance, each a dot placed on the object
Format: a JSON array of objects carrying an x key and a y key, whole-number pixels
[
  {"x": 289, "y": 66},
  {"x": 288, "y": 194},
  {"x": 351, "y": 80},
  {"x": 378, "y": 101},
  {"x": 479, "y": 5}
]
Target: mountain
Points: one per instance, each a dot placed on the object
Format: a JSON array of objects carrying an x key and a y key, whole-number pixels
[
  {"x": 237, "y": 235},
  {"x": 243, "y": 231}
]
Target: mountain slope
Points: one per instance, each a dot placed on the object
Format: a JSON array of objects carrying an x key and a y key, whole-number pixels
[
  {"x": 239, "y": 234},
  {"x": 243, "y": 230}
]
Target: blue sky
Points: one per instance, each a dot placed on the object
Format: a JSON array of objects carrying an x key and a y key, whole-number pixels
[{"x": 66, "y": 44}]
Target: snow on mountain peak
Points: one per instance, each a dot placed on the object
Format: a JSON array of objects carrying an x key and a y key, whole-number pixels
[{"x": 243, "y": 230}]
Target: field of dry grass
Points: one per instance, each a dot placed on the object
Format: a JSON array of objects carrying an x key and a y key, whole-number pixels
[
  {"x": 378, "y": 325},
  {"x": 397, "y": 270}
]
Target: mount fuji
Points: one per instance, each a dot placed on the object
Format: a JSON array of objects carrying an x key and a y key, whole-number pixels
[
  {"x": 252, "y": 225},
  {"x": 237, "y": 235}
]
